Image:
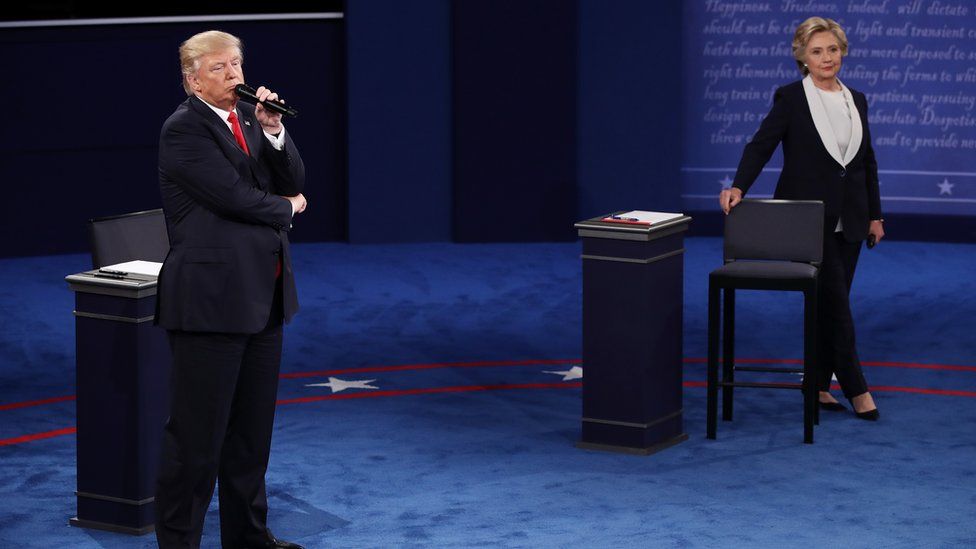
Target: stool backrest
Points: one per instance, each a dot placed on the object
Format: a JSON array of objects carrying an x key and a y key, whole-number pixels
[
  {"x": 121, "y": 238},
  {"x": 780, "y": 230}
]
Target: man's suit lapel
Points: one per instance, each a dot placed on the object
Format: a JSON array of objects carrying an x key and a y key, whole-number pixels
[
  {"x": 821, "y": 121},
  {"x": 221, "y": 125},
  {"x": 249, "y": 126},
  {"x": 252, "y": 130},
  {"x": 253, "y": 134}
]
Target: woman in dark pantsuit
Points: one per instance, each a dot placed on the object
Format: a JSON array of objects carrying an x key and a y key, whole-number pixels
[{"x": 827, "y": 155}]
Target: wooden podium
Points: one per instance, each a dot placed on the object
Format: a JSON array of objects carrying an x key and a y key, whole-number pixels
[
  {"x": 122, "y": 370},
  {"x": 632, "y": 335}
]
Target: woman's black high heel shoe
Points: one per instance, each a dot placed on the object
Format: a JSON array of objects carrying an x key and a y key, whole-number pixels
[
  {"x": 832, "y": 406},
  {"x": 870, "y": 415}
]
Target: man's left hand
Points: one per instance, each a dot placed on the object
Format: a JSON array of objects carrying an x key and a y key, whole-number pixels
[{"x": 269, "y": 120}]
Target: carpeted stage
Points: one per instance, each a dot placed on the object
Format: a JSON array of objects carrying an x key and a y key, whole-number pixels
[{"x": 452, "y": 404}]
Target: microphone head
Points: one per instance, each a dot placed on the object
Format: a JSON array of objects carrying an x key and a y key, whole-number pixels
[{"x": 244, "y": 90}]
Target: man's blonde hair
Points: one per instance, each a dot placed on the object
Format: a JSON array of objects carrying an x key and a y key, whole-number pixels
[
  {"x": 806, "y": 30},
  {"x": 202, "y": 44}
]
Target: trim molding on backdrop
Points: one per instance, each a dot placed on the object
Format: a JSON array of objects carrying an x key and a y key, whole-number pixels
[
  {"x": 883, "y": 198},
  {"x": 899, "y": 226},
  {"x": 917, "y": 199},
  {"x": 694, "y": 169},
  {"x": 168, "y": 19},
  {"x": 887, "y": 172}
]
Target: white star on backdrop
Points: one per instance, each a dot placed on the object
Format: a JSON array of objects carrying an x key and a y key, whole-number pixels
[
  {"x": 337, "y": 384},
  {"x": 945, "y": 187},
  {"x": 726, "y": 182},
  {"x": 568, "y": 375}
]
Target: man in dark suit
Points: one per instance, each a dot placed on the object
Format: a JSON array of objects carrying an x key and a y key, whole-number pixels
[{"x": 231, "y": 180}]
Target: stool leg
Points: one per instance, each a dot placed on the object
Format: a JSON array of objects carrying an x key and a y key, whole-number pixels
[
  {"x": 809, "y": 364},
  {"x": 713, "y": 335},
  {"x": 728, "y": 352},
  {"x": 814, "y": 352}
]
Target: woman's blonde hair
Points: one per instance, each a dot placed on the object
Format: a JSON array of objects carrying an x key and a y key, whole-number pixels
[
  {"x": 202, "y": 44},
  {"x": 806, "y": 30}
]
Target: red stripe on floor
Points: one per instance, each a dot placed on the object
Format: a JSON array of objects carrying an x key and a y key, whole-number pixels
[
  {"x": 433, "y": 390},
  {"x": 921, "y": 366},
  {"x": 882, "y": 364},
  {"x": 690, "y": 360},
  {"x": 943, "y": 392},
  {"x": 52, "y": 400},
  {"x": 432, "y": 366},
  {"x": 474, "y": 388},
  {"x": 547, "y": 362},
  {"x": 38, "y": 436},
  {"x": 881, "y": 389}
]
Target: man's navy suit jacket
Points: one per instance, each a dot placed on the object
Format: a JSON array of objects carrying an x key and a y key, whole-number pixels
[
  {"x": 809, "y": 171},
  {"x": 227, "y": 222}
]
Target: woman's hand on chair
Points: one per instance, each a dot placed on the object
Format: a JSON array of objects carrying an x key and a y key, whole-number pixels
[
  {"x": 877, "y": 229},
  {"x": 728, "y": 198}
]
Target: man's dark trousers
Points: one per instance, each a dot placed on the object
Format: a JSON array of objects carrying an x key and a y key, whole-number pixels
[{"x": 224, "y": 388}]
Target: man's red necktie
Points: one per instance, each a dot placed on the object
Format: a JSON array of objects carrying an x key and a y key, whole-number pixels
[
  {"x": 235, "y": 124},
  {"x": 239, "y": 136}
]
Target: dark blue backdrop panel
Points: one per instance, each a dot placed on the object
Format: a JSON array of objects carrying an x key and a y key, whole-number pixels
[
  {"x": 916, "y": 61},
  {"x": 629, "y": 106},
  {"x": 514, "y": 120},
  {"x": 81, "y": 129},
  {"x": 399, "y": 120}
]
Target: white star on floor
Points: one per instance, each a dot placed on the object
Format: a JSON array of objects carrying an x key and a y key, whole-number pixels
[
  {"x": 337, "y": 384},
  {"x": 726, "y": 182},
  {"x": 568, "y": 375},
  {"x": 945, "y": 187}
]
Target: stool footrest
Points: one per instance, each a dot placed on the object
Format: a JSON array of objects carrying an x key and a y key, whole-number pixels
[
  {"x": 759, "y": 385},
  {"x": 767, "y": 369}
]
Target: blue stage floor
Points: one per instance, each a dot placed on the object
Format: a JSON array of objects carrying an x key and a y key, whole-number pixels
[{"x": 453, "y": 404}]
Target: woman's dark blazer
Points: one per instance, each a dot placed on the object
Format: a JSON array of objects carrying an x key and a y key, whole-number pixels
[{"x": 813, "y": 168}]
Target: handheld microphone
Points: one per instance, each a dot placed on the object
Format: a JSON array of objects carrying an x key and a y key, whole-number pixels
[{"x": 246, "y": 92}]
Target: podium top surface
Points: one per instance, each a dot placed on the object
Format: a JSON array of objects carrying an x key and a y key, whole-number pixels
[
  {"x": 597, "y": 228},
  {"x": 96, "y": 281}
]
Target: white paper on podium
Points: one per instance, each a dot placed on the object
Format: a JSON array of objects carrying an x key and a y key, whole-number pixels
[
  {"x": 641, "y": 216},
  {"x": 137, "y": 267}
]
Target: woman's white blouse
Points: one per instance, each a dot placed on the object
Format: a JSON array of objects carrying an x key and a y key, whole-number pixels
[{"x": 839, "y": 114}]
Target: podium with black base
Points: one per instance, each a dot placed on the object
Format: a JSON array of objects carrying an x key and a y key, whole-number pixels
[
  {"x": 122, "y": 370},
  {"x": 632, "y": 334}
]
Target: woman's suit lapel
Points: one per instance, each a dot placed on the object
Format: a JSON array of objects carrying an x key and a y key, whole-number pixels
[
  {"x": 822, "y": 123},
  {"x": 857, "y": 131}
]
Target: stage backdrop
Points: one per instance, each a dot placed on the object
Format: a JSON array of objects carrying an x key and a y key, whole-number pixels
[
  {"x": 914, "y": 59},
  {"x": 84, "y": 106}
]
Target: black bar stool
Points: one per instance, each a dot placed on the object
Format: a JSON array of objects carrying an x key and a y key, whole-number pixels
[{"x": 769, "y": 245}]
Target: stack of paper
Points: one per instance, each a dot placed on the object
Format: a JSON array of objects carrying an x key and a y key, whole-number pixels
[
  {"x": 137, "y": 267},
  {"x": 643, "y": 217}
]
